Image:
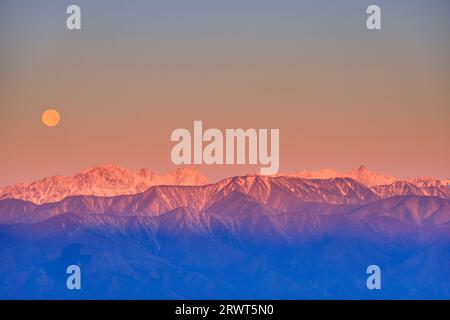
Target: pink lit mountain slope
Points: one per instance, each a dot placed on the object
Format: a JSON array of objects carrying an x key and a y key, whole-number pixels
[
  {"x": 256, "y": 194},
  {"x": 361, "y": 174},
  {"x": 106, "y": 180},
  {"x": 385, "y": 186},
  {"x": 113, "y": 181},
  {"x": 250, "y": 199},
  {"x": 398, "y": 188}
]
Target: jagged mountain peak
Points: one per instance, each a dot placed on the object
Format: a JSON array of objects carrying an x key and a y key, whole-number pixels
[
  {"x": 370, "y": 178},
  {"x": 112, "y": 180},
  {"x": 102, "y": 180},
  {"x": 188, "y": 175}
]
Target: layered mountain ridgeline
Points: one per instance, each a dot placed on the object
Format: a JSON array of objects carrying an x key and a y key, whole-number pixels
[
  {"x": 261, "y": 194},
  {"x": 419, "y": 187},
  {"x": 107, "y": 180},
  {"x": 274, "y": 194},
  {"x": 370, "y": 178},
  {"x": 248, "y": 253},
  {"x": 111, "y": 180},
  {"x": 244, "y": 237}
]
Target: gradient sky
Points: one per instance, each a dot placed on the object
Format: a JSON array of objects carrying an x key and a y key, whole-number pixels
[{"x": 341, "y": 95}]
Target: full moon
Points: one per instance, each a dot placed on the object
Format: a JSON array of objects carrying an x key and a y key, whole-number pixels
[{"x": 50, "y": 118}]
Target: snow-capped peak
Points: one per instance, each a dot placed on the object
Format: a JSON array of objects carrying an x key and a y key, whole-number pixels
[
  {"x": 361, "y": 174},
  {"x": 105, "y": 180},
  {"x": 369, "y": 178}
]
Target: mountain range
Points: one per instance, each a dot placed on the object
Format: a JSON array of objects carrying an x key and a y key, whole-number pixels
[
  {"x": 371, "y": 178},
  {"x": 110, "y": 180},
  {"x": 267, "y": 237},
  {"x": 236, "y": 195},
  {"x": 107, "y": 180}
]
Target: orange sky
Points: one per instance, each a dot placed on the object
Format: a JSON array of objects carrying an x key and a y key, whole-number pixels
[{"x": 340, "y": 95}]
